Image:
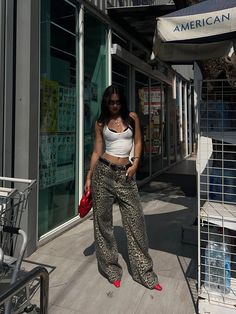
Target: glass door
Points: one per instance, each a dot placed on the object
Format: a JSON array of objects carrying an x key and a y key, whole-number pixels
[
  {"x": 57, "y": 114},
  {"x": 179, "y": 134},
  {"x": 184, "y": 151},
  {"x": 95, "y": 78},
  {"x": 142, "y": 108},
  {"x": 120, "y": 76},
  {"x": 165, "y": 126},
  {"x": 158, "y": 125},
  {"x": 172, "y": 132},
  {"x": 156, "y": 121}
]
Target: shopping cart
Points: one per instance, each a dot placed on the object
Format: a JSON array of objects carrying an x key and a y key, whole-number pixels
[{"x": 14, "y": 195}]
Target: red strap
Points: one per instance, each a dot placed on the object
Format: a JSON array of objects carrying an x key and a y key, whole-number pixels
[{"x": 88, "y": 193}]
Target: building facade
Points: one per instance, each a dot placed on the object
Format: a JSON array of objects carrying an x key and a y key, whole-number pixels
[{"x": 57, "y": 57}]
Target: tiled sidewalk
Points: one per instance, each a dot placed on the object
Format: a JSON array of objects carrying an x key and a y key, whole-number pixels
[{"x": 76, "y": 286}]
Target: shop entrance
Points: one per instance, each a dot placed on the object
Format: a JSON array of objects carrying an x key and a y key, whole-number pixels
[{"x": 57, "y": 153}]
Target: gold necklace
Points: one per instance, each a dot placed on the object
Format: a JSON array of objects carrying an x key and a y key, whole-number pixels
[{"x": 118, "y": 121}]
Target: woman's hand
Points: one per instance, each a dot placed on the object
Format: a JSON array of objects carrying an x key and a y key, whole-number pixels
[
  {"x": 87, "y": 185},
  {"x": 131, "y": 171},
  {"x": 97, "y": 151}
]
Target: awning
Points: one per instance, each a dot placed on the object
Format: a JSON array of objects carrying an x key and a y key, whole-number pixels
[{"x": 201, "y": 31}]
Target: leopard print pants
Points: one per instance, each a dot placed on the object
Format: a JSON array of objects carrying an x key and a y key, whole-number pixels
[{"x": 107, "y": 186}]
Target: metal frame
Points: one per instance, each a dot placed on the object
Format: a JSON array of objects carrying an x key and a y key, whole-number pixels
[
  {"x": 7, "y": 56},
  {"x": 27, "y": 105},
  {"x": 24, "y": 282},
  {"x": 216, "y": 164}
]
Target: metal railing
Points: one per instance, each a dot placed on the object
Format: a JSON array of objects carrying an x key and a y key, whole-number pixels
[
  {"x": 131, "y": 3},
  {"x": 24, "y": 281},
  {"x": 104, "y": 4}
]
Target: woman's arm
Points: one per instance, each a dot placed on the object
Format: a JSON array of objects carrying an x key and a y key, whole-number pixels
[
  {"x": 137, "y": 145},
  {"x": 97, "y": 152}
]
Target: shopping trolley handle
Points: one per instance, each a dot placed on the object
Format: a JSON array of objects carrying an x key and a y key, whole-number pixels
[
  {"x": 15, "y": 230},
  {"x": 19, "y": 180},
  {"x": 9, "y": 229}
]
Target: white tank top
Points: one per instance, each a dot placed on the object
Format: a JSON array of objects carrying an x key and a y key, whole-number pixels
[{"x": 118, "y": 144}]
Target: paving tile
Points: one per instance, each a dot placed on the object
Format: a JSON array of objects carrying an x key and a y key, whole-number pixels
[
  {"x": 69, "y": 247},
  {"x": 94, "y": 294},
  {"x": 76, "y": 286},
  {"x": 59, "y": 310},
  {"x": 83, "y": 228},
  {"x": 173, "y": 299}
]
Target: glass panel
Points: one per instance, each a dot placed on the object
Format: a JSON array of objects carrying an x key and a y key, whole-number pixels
[
  {"x": 57, "y": 114},
  {"x": 156, "y": 100},
  {"x": 178, "y": 139},
  {"x": 165, "y": 125},
  {"x": 142, "y": 109},
  {"x": 120, "y": 76},
  {"x": 172, "y": 130},
  {"x": 95, "y": 78},
  {"x": 183, "y": 150}
]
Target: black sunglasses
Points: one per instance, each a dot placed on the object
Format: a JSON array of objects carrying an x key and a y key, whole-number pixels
[{"x": 114, "y": 102}]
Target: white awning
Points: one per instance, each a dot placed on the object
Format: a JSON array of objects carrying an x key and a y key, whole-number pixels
[{"x": 201, "y": 31}]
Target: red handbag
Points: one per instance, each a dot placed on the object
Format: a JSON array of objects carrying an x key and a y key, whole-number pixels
[{"x": 85, "y": 204}]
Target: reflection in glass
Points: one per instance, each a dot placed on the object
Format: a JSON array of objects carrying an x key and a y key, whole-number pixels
[
  {"x": 120, "y": 76},
  {"x": 156, "y": 123},
  {"x": 95, "y": 81},
  {"x": 165, "y": 126},
  {"x": 178, "y": 122},
  {"x": 142, "y": 109},
  {"x": 57, "y": 114},
  {"x": 172, "y": 132}
]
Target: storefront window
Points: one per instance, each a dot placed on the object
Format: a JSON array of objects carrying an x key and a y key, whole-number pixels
[
  {"x": 142, "y": 99},
  {"x": 179, "y": 134},
  {"x": 172, "y": 130},
  {"x": 57, "y": 114},
  {"x": 120, "y": 76},
  {"x": 184, "y": 114},
  {"x": 165, "y": 126},
  {"x": 95, "y": 78},
  {"x": 156, "y": 122}
]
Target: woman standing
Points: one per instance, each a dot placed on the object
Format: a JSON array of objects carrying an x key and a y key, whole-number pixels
[{"x": 111, "y": 178}]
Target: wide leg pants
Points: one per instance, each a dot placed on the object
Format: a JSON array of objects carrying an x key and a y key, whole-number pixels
[{"x": 107, "y": 186}]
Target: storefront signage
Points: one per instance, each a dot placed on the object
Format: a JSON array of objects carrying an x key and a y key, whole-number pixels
[
  {"x": 203, "y": 25},
  {"x": 211, "y": 20}
]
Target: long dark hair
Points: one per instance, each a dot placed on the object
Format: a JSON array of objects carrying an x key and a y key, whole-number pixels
[{"x": 124, "y": 111}]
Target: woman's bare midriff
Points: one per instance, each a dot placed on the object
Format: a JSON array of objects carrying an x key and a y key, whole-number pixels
[{"x": 116, "y": 160}]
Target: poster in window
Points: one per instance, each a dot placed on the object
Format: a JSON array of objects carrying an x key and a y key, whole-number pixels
[{"x": 155, "y": 99}]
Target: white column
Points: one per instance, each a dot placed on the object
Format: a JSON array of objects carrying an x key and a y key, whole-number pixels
[
  {"x": 180, "y": 111},
  {"x": 174, "y": 87},
  {"x": 109, "y": 43},
  {"x": 185, "y": 120},
  {"x": 190, "y": 119},
  {"x": 80, "y": 129},
  {"x": 197, "y": 96}
]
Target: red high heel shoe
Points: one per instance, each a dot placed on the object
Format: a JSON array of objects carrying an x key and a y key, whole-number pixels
[
  {"x": 157, "y": 287},
  {"x": 116, "y": 283}
]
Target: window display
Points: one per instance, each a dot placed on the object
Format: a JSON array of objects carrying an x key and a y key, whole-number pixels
[
  {"x": 142, "y": 109},
  {"x": 57, "y": 151},
  {"x": 95, "y": 78}
]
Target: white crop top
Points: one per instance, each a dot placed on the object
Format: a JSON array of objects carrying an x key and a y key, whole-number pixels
[{"x": 118, "y": 144}]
